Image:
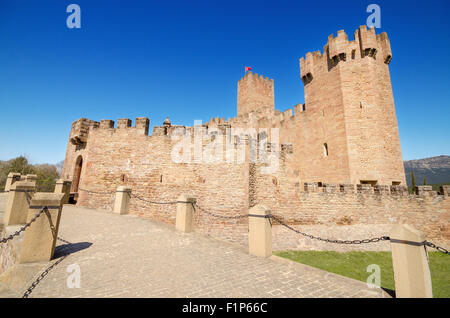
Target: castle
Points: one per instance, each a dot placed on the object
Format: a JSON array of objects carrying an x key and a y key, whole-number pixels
[{"x": 345, "y": 134}]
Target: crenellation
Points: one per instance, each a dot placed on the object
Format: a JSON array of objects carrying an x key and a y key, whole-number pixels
[
  {"x": 364, "y": 188},
  {"x": 399, "y": 190},
  {"x": 106, "y": 124},
  {"x": 311, "y": 186},
  {"x": 347, "y": 188},
  {"x": 329, "y": 188},
  {"x": 444, "y": 190},
  {"x": 337, "y": 47},
  {"x": 381, "y": 189},
  {"x": 385, "y": 46},
  {"x": 142, "y": 124},
  {"x": 123, "y": 123},
  {"x": 425, "y": 190},
  {"x": 367, "y": 41}
]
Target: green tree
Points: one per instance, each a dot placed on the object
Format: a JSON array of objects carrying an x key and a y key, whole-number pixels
[
  {"x": 424, "y": 181},
  {"x": 413, "y": 181},
  {"x": 46, "y": 174},
  {"x": 19, "y": 164}
]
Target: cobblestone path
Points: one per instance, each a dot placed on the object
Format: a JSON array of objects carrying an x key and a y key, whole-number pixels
[{"x": 128, "y": 256}]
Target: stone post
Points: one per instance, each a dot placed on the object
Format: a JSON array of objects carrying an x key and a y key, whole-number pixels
[
  {"x": 17, "y": 204},
  {"x": 63, "y": 186},
  {"x": 410, "y": 261},
  {"x": 12, "y": 177},
  {"x": 260, "y": 231},
  {"x": 122, "y": 201},
  {"x": 39, "y": 239},
  {"x": 185, "y": 213}
]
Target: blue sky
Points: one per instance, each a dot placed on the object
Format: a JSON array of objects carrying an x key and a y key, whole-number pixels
[{"x": 183, "y": 60}]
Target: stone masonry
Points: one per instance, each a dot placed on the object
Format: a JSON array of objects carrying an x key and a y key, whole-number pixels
[{"x": 341, "y": 170}]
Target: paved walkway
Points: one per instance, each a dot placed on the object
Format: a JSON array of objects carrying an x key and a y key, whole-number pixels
[{"x": 128, "y": 256}]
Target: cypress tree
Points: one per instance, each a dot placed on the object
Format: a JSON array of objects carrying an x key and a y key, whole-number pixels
[
  {"x": 413, "y": 181},
  {"x": 424, "y": 181}
]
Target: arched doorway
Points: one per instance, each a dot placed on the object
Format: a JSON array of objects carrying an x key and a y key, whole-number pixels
[{"x": 77, "y": 174}]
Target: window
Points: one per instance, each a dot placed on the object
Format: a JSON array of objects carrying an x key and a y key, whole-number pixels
[
  {"x": 371, "y": 182},
  {"x": 325, "y": 150},
  {"x": 304, "y": 107}
]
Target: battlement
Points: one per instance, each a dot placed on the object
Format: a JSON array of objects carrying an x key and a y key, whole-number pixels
[
  {"x": 80, "y": 130},
  {"x": 255, "y": 93},
  {"x": 339, "y": 49},
  {"x": 377, "y": 189},
  {"x": 81, "y": 127}
]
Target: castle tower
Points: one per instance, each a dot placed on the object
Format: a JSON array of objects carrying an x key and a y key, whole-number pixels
[
  {"x": 348, "y": 94},
  {"x": 255, "y": 94}
]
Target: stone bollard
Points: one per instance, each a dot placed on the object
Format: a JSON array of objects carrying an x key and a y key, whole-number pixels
[
  {"x": 63, "y": 186},
  {"x": 185, "y": 213},
  {"x": 39, "y": 239},
  {"x": 122, "y": 201},
  {"x": 17, "y": 205},
  {"x": 260, "y": 231},
  {"x": 410, "y": 261},
  {"x": 12, "y": 177}
]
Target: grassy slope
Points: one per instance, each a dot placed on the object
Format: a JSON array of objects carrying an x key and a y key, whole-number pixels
[{"x": 354, "y": 265}]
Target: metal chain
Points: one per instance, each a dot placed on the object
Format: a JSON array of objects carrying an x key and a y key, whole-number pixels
[
  {"x": 10, "y": 237},
  {"x": 439, "y": 248},
  {"x": 95, "y": 192},
  {"x": 373, "y": 240},
  {"x": 155, "y": 202},
  {"x": 41, "y": 277},
  {"x": 221, "y": 216}
]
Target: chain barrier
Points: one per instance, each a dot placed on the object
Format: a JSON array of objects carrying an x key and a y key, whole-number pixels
[
  {"x": 439, "y": 248},
  {"x": 155, "y": 202},
  {"x": 16, "y": 233},
  {"x": 373, "y": 240},
  {"x": 96, "y": 192},
  {"x": 279, "y": 220},
  {"x": 220, "y": 216},
  {"x": 44, "y": 273}
]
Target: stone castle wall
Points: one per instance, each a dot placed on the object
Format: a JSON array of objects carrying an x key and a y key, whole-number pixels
[{"x": 345, "y": 133}]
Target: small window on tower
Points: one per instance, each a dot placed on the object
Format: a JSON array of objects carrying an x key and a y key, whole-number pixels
[
  {"x": 304, "y": 107},
  {"x": 325, "y": 149}
]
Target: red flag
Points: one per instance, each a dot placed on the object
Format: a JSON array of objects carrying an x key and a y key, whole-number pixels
[{"x": 247, "y": 68}]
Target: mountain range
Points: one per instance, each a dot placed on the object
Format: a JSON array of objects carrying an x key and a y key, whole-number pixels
[{"x": 436, "y": 170}]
